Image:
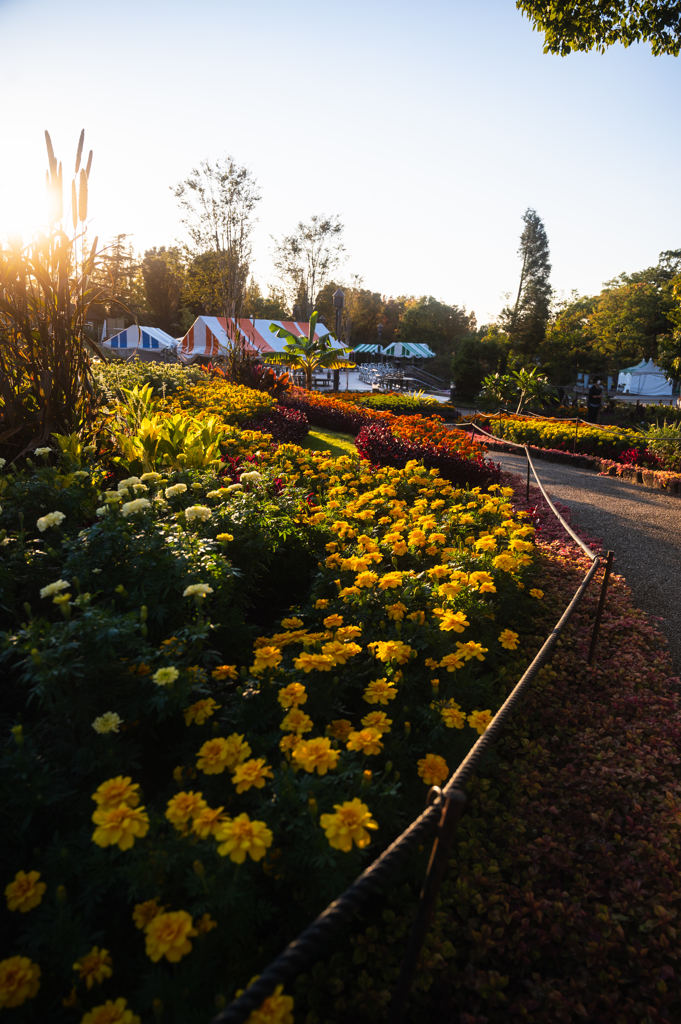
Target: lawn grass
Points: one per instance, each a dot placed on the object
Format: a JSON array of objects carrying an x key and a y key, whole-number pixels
[{"x": 330, "y": 441}]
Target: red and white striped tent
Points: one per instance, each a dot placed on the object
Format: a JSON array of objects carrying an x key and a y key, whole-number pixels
[{"x": 209, "y": 336}]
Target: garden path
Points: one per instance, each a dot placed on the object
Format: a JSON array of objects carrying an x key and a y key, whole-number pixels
[{"x": 642, "y": 527}]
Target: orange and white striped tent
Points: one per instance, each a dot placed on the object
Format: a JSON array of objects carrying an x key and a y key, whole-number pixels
[{"x": 211, "y": 336}]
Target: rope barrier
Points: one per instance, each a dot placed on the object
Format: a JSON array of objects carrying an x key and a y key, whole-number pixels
[{"x": 307, "y": 947}]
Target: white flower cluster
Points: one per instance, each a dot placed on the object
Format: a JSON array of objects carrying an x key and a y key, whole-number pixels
[
  {"x": 150, "y": 478},
  {"x": 175, "y": 489},
  {"x": 123, "y": 485},
  {"x": 54, "y": 588},
  {"x": 43, "y": 451},
  {"x": 165, "y": 676},
  {"x": 200, "y": 512},
  {"x": 251, "y": 478},
  {"x": 198, "y": 589},
  {"x": 110, "y": 721},
  {"x": 51, "y": 519},
  {"x": 138, "y": 505}
]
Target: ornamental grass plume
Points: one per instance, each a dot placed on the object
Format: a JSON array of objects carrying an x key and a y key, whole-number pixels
[
  {"x": 19, "y": 981},
  {"x": 241, "y": 836},
  {"x": 316, "y": 755},
  {"x": 25, "y": 892},
  {"x": 219, "y": 754},
  {"x": 348, "y": 825},
  {"x": 168, "y": 935},
  {"x": 111, "y": 1012},
  {"x": 94, "y": 967},
  {"x": 433, "y": 769}
]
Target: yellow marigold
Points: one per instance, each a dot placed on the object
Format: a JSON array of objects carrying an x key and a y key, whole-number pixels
[
  {"x": 396, "y": 611},
  {"x": 453, "y": 716},
  {"x": 183, "y": 807},
  {"x": 508, "y": 639},
  {"x": 25, "y": 892},
  {"x": 377, "y": 720},
  {"x": 367, "y": 740},
  {"x": 472, "y": 650},
  {"x": 292, "y": 695},
  {"x": 347, "y": 592},
  {"x": 505, "y": 562},
  {"x": 366, "y": 579},
  {"x": 146, "y": 912},
  {"x": 114, "y": 792},
  {"x": 207, "y": 821},
  {"x": 266, "y": 657},
  {"x": 389, "y": 580},
  {"x": 290, "y": 741},
  {"x": 341, "y": 652},
  {"x": 438, "y": 572},
  {"x": 380, "y": 691},
  {"x": 219, "y": 753},
  {"x": 316, "y": 754},
  {"x": 19, "y": 981},
  {"x": 119, "y": 826},
  {"x": 479, "y": 720},
  {"x": 486, "y": 543},
  {"x": 431, "y": 663},
  {"x": 167, "y": 935},
  {"x": 348, "y": 632},
  {"x": 332, "y": 621},
  {"x": 535, "y": 592},
  {"x": 296, "y": 721},
  {"x": 292, "y": 623},
  {"x": 391, "y": 650},
  {"x": 449, "y": 589},
  {"x": 94, "y": 967},
  {"x": 455, "y": 621},
  {"x": 433, "y": 769},
  {"x": 453, "y": 661},
  {"x": 349, "y": 824},
  {"x": 202, "y": 710},
  {"x": 241, "y": 836},
  {"x": 339, "y": 728},
  {"x": 225, "y": 672},
  {"x": 321, "y": 603},
  {"x": 205, "y": 924},
  {"x": 416, "y": 539},
  {"x": 251, "y": 773},
  {"x": 308, "y": 662},
  {"x": 111, "y": 1012},
  {"x": 478, "y": 579},
  {"x": 516, "y": 544}
]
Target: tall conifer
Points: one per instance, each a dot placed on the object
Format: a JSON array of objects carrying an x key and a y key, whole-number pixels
[{"x": 526, "y": 321}]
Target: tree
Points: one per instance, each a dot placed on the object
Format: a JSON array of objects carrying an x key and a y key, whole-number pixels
[
  {"x": 257, "y": 306},
  {"x": 627, "y": 320},
  {"x": 434, "y": 323},
  {"x": 596, "y": 24},
  {"x": 477, "y": 357},
  {"x": 162, "y": 273},
  {"x": 219, "y": 201},
  {"x": 309, "y": 353},
  {"x": 307, "y": 259},
  {"x": 526, "y": 321},
  {"x": 568, "y": 347},
  {"x": 117, "y": 277}
]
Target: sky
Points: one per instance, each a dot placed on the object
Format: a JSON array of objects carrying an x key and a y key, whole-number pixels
[{"x": 427, "y": 127}]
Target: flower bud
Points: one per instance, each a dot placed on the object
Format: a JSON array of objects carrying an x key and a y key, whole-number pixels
[
  {"x": 397, "y": 776},
  {"x": 199, "y": 869},
  {"x": 366, "y": 778},
  {"x": 407, "y": 729},
  {"x": 18, "y": 733},
  {"x": 143, "y": 613},
  {"x": 388, "y": 767},
  {"x": 312, "y": 807},
  {"x": 61, "y": 895},
  {"x": 27, "y": 609},
  {"x": 36, "y": 656}
]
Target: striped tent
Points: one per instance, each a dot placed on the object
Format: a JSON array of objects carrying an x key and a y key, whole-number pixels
[
  {"x": 372, "y": 349},
  {"x": 210, "y": 336},
  {"x": 408, "y": 349}
]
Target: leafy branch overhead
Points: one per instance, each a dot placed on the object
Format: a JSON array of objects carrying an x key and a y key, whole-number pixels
[{"x": 597, "y": 24}]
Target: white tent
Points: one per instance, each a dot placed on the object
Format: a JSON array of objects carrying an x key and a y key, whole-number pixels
[
  {"x": 644, "y": 379},
  {"x": 145, "y": 342}
]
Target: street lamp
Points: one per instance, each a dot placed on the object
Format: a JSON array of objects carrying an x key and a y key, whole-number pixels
[{"x": 380, "y": 342}]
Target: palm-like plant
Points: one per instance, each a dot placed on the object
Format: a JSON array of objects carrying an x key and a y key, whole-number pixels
[{"x": 309, "y": 353}]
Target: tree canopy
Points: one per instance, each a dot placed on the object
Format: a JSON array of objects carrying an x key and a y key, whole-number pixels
[{"x": 597, "y": 24}]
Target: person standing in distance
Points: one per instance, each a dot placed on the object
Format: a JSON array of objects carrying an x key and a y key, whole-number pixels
[{"x": 593, "y": 406}]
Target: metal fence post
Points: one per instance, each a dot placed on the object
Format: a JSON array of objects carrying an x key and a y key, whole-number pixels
[
  {"x": 601, "y": 605},
  {"x": 527, "y": 455},
  {"x": 452, "y": 809}
]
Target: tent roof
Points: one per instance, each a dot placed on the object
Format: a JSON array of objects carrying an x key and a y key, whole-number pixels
[
  {"x": 409, "y": 348},
  {"x": 368, "y": 348},
  {"x": 211, "y": 336},
  {"x": 142, "y": 337}
]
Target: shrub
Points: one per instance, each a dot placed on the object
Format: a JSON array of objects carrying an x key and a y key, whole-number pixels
[
  {"x": 606, "y": 442},
  {"x": 379, "y": 445},
  {"x": 115, "y": 378},
  {"x": 289, "y": 425}
]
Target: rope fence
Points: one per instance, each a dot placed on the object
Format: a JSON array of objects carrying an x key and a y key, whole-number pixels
[{"x": 440, "y": 818}]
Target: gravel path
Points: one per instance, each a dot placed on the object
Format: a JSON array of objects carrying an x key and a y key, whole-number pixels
[{"x": 641, "y": 526}]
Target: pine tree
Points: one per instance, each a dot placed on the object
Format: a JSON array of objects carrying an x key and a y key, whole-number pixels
[{"x": 526, "y": 321}]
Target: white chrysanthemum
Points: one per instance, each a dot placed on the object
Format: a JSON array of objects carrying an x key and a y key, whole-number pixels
[
  {"x": 200, "y": 512},
  {"x": 164, "y": 676},
  {"x": 51, "y": 519},
  {"x": 150, "y": 478},
  {"x": 217, "y": 494},
  {"x": 3, "y": 462},
  {"x": 108, "y": 722},
  {"x": 124, "y": 484},
  {"x": 175, "y": 489},
  {"x": 235, "y": 487},
  {"x": 138, "y": 505},
  {"x": 198, "y": 589},
  {"x": 102, "y": 510},
  {"x": 43, "y": 451},
  {"x": 54, "y": 588},
  {"x": 252, "y": 477},
  {"x": 140, "y": 488},
  {"x": 81, "y": 474}
]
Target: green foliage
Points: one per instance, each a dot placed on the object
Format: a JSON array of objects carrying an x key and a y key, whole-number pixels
[
  {"x": 527, "y": 386},
  {"x": 405, "y": 404},
  {"x": 476, "y": 358},
  {"x": 525, "y": 323},
  {"x": 665, "y": 442},
  {"x": 598, "y": 24},
  {"x": 436, "y": 324},
  {"x": 310, "y": 353},
  {"x": 608, "y": 442},
  {"x": 115, "y": 378}
]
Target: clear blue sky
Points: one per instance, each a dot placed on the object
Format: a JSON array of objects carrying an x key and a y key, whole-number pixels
[{"x": 428, "y": 127}]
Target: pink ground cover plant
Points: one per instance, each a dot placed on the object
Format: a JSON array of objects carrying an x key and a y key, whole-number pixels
[{"x": 562, "y": 895}]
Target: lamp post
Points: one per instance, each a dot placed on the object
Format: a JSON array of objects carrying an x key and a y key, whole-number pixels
[
  {"x": 380, "y": 343},
  {"x": 338, "y": 303}
]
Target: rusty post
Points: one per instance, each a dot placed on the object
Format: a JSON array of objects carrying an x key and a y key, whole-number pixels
[
  {"x": 601, "y": 605},
  {"x": 527, "y": 453},
  {"x": 451, "y": 813}
]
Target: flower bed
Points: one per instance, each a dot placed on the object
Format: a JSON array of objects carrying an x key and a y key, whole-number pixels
[
  {"x": 223, "y": 681},
  {"x": 330, "y": 412},
  {"x": 231, "y": 403},
  {"x": 165, "y": 379},
  {"x": 569, "y": 437}
]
